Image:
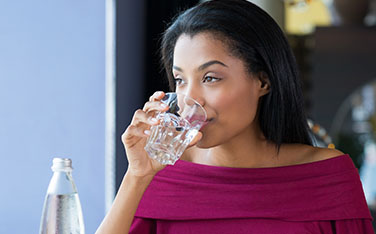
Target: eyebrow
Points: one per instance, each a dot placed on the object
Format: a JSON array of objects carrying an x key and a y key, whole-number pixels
[{"x": 203, "y": 66}]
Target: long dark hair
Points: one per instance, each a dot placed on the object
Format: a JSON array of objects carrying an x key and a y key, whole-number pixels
[{"x": 253, "y": 36}]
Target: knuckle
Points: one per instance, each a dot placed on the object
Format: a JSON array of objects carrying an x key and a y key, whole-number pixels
[
  {"x": 130, "y": 128},
  {"x": 124, "y": 135},
  {"x": 128, "y": 132},
  {"x": 146, "y": 105},
  {"x": 139, "y": 111}
]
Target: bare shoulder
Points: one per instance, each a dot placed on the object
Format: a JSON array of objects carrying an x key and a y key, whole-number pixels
[
  {"x": 300, "y": 153},
  {"x": 319, "y": 154}
]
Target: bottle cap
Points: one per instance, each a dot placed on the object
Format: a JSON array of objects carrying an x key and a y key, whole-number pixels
[{"x": 61, "y": 164}]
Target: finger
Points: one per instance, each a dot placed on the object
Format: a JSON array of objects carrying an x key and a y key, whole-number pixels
[
  {"x": 133, "y": 131},
  {"x": 157, "y": 96},
  {"x": 196, "y": 139},
  {"x": 141, "y": 116},
  {"x": 155, "y": 106}
]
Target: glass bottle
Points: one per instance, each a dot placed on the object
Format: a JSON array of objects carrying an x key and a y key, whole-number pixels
[{"x": 62, "y": 213}]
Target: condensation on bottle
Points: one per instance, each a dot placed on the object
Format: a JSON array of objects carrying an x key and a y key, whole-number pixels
[{"x": 62, "y": 213}]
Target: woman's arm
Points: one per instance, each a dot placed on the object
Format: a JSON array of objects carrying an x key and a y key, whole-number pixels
[
  {"x": 141, "y": 169},
  {"x": 120, "y": 217}
]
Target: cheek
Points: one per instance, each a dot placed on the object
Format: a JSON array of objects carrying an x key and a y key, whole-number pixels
[
  {"x": 235, "y": 105},
  {"x": 235, "y": 109},
  {"x": 234, "y": 113},
  {"x": 242, "y": 111}
]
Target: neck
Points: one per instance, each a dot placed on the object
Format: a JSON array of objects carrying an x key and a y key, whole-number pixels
[{"x": 247, "y": 149}]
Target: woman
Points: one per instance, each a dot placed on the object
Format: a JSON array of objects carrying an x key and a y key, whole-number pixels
[{"x": 252, "y": 168}]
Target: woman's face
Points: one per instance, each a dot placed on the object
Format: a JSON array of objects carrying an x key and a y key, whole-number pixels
[{"x": 205, "y": 70}]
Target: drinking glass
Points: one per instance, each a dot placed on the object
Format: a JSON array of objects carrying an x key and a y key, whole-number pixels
[{"x": 177, "y": 128}]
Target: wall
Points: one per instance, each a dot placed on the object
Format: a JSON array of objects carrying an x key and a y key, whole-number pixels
[
  {"x": 51, "y": 105},
  {"x": 343, "y": 60}
]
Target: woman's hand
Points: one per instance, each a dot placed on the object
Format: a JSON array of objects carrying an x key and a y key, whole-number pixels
[
  {"x": 134, "y": 138},
  {"x": 141, "y": 169}
]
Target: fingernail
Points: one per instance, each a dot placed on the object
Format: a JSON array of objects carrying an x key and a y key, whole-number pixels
[
  {"x": 159, "y": 93},
  {"x": 153, "y": 120},
  {"x": 163, "y": 105},
  {"x": 147, "y": 132}
]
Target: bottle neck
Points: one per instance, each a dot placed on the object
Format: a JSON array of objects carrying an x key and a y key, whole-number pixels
[
  {"x": 61, "y": 181},
  {"x": 62, "y": 170}
]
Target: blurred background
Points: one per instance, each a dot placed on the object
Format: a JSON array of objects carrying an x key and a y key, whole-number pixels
[{"x": 73, "y": 72}]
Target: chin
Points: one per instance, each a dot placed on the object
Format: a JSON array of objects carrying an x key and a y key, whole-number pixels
[
  {"x": 205, "y": 143},
  {"x": 202, "y": 145}
]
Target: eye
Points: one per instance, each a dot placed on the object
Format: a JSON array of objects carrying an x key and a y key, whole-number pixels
[
  {"x": 178, "y": 81},
  {"x": 210, "y": 79}
]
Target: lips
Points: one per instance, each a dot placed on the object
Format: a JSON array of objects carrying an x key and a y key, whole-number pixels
[{"x": 207, "y": 122}]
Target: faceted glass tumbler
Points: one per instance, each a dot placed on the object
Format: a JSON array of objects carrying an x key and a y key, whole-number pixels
[{"x": 177, "y": 128}]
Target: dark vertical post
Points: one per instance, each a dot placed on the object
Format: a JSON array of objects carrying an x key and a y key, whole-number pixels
[
  {"x": 130, "y": 71},
  {"x": 139, "y": 26}
]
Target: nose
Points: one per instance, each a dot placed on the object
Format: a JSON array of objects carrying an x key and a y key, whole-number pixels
[{"x": 195, "y": 93}]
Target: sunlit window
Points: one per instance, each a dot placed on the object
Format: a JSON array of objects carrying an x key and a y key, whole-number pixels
[{"x": 302, "y": 16}]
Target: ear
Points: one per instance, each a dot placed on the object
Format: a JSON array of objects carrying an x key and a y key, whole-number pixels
[{"x": 264, "y": 83}]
